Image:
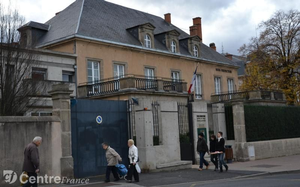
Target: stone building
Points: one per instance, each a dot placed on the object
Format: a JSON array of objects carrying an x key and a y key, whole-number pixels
[
  {"x": 51, "y": 68},
  {"x": 126, "y": 54}
]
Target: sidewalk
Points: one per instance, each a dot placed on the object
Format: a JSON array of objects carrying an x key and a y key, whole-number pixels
[{"x": 271, "y": 165}]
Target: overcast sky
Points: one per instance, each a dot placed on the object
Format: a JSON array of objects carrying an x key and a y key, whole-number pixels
[{"x": 228, "y": 22}]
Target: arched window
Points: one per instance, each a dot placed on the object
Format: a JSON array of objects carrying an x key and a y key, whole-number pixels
[
  {"x": 196, "y": 52},
  {"x": 173, "y": 46},
  {"x": 147, "y": 41}
]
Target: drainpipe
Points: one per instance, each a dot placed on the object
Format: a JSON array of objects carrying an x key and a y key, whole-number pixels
[{"x": 75, "y": 68}]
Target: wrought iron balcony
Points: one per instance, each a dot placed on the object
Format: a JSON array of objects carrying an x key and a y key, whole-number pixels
[
  {"x": 131, "y": 82},
  {"x": 248, "y": 95}
]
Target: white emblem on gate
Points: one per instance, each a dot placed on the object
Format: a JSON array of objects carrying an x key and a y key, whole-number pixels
[{"x": 99, "y": 119}]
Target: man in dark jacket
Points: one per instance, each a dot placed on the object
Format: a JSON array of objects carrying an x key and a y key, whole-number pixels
[
  {"x": 221, "y": 149},
  {"x": 31, "y": 164},
  {"x": 202, "y": 148},
  {"x": 212, "y": 149}
]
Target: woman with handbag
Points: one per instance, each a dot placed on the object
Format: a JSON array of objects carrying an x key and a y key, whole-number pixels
[
  {"x": 221, "y": 149},
  {"x": 133, "y": 159}
]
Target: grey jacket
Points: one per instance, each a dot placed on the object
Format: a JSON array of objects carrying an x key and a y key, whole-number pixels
[
  {"x": 112, "y": 157},
  {"x": 31, "y": 158}
]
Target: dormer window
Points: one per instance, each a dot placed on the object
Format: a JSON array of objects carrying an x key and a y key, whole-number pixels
[
  {"x": 196, "y": 52},
  {"x": 173, "y": 46},
  {"x": 147, "y": 41}
]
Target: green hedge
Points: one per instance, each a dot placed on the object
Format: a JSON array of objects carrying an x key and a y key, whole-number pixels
[{"x": 271, "y": 122}]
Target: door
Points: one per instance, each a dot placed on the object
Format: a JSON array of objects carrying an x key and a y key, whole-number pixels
[
  {"x": 94, "y": 122},
  {"x": 230, "y": 86},
  {"x": 186, "y": 131},
  {"x": 93, "y": 69},
  {"x": 119, "y": 72},
  {"x": 149, "y": 75}
]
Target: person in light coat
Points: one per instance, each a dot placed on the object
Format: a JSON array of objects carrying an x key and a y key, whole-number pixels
[
  {"x": 133, "y": 159},
  {"x": 113, "y": 159}
]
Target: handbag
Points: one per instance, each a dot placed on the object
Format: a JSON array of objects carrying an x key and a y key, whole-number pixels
[{"x": 137, "y": 167}]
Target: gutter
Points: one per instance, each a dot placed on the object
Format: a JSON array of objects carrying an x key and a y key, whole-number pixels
[{"x": 139, "y": 48}]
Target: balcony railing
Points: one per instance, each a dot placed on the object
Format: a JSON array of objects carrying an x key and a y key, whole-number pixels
[
  {"x": 113, "y": 85},
  {"x": 248, "y": 95},
  {"x": 40, "y": 88},
  {"x": 173, "y": 86}
]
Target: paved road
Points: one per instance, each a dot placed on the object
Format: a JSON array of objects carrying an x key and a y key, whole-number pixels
[
  {"x": 206, "y": 178},
  {"x": 279, "y": 180},
  {"x": 168, "y": 178}
]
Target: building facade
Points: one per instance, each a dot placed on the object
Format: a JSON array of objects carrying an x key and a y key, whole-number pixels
[{"x": 113, "y": 42}]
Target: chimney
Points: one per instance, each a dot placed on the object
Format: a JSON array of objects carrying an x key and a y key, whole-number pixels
[
  {"x": 168, "y": 17},
  {"x": 229, "y": 56},
  {"x": 196, "y": 29},
  {"x": 57, "y": 13},
  {"x": 193, "y": 30},
  {"x": 213, "y": 46}
]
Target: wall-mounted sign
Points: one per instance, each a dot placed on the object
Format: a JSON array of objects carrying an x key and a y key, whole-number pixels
[
  {"x": 99, "y": 119},
  {"x": 201, "y": 121},
  {"x": 224, "y": 70}
]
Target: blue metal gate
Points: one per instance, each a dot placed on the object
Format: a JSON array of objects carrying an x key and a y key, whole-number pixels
[{"x": 94, "y": 122}]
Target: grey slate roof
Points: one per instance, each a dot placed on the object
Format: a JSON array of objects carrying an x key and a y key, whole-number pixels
[
  {"x": 240, "y": 61},
  {"x": 107, "y": 21},
  {"x": 36, "y": 25}
]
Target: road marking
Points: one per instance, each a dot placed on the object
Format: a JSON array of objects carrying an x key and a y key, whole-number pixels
[{"x": 193, "y": 185}]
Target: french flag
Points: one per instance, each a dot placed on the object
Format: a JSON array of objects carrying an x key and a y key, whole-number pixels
[{"x": 191, "y": 88}]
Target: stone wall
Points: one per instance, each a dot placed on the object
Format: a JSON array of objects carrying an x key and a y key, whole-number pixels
[
  {"x": 274, "y": 148},
  {"x": 244, "y": 151},
  {"x": 167, "y": 155},
  {"x": 17, "y": 132}
]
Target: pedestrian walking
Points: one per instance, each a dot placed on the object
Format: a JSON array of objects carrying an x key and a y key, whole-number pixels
[
  {"x": 133, "y": 160},
  {"x": 202, "y": 148},
  {"x": 113, "y": 158},
  {"x": 221, "y": 149},
  {"x": 31, "y": 164},
  {"x": 212, "y": 149}
]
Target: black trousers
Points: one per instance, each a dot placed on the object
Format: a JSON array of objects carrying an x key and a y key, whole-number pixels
[
  {"x": 132, "y": 172},
  {"x": 112, "y": 169},
  {"x": 34, "y": 184},
  {"x": 214, "y": 160}
]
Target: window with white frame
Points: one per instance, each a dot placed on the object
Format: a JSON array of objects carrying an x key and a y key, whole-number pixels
[
  {"x": 147, "y": 41},
  {"x": 119, "y": 71},
  {"x": 93, "y": 71},
  {"x": 230, "y": 85},
  {"x": 149, "y": 73},
  {"x": 173, "y": 46},
  {"x": 196, "y": 52},
  {"x": 218, "y": 85},
  {"x": 198, "y": 87},
  {"x": 175, "y": 76}
]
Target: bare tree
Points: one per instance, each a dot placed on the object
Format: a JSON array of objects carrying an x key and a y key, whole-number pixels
[
  {"x": 276, "y": 54},
  {"x": 16, "y": 64}
]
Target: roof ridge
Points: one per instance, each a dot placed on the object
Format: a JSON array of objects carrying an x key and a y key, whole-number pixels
[{"x": 79, "y": 18}]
